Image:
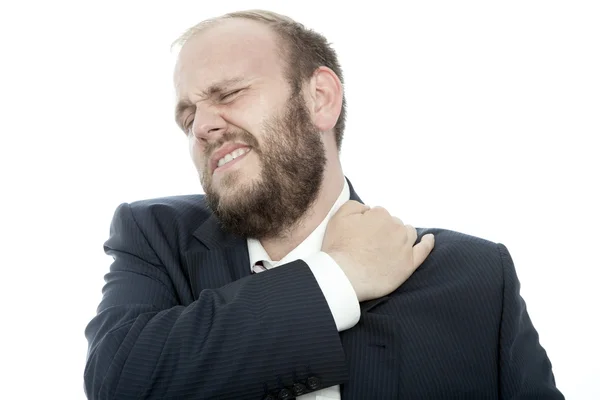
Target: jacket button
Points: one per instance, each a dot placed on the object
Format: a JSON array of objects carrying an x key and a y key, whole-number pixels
[
  {"x": 298, "y": 389},
  {"x": 285, "y": 394},
  {"x": 313, "y": 383}
]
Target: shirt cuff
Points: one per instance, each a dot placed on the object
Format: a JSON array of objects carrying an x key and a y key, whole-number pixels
[{"x": 336, "y": 287}]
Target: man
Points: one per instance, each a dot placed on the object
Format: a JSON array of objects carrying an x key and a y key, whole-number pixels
[{"x": 280, "y": 283}]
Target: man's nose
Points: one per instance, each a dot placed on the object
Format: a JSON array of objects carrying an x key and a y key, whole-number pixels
[{"x": 208, "y": 124}]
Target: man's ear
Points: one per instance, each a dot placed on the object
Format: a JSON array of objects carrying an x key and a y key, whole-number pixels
[{"x": 326, "y": 92}]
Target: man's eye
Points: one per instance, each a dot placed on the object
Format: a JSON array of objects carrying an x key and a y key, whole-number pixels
[
  {"x": 188, "y": 125},
  {"x": 228, "y": 95}
]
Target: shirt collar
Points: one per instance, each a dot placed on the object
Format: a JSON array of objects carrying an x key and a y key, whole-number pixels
[{"x": 309, "y": 246}]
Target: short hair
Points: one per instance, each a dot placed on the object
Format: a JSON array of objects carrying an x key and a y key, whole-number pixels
[{"x": 304, "y": 50}]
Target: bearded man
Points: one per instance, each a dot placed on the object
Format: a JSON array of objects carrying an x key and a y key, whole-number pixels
[{"x": 279, "y": 282}]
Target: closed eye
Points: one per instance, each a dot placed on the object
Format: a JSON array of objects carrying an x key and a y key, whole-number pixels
[
  {"x": 187, "y": 125},
  {"x": 230, "y": 94}
]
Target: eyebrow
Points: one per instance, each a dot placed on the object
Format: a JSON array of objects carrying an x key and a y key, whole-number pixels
[{"x": 211, "y": 91}]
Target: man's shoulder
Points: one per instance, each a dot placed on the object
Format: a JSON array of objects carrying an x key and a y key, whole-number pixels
[
  {"x": 189, "y": 210},
  {"x": 472, "y": 264},
  {"x": 449, "y": 237},
  {"x": 196, "y": 202},
  {"x": 462, "y": 249}
]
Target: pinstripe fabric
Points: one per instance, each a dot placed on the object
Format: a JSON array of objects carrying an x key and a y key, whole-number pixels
[{"x": 182, "y": 318}]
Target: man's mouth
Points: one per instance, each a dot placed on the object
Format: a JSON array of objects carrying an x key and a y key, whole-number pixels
[
  {"x": 227, "y": 154},
  {"x": 230, "y": 159},
  {"x": 232, "y": 156}
]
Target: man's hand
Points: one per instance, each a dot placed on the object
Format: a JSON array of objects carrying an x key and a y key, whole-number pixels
[{"x": 376, "y": 251}]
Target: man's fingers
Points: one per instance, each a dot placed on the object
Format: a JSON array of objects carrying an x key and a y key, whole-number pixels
[
  {"x": 380, "y": 210},
  {"x": 422, "y": 249},
  {"x": 411, "y": 234},
  {"x": 398, "y": 220}
]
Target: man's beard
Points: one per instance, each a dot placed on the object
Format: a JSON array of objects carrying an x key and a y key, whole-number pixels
[{"x": 292, "y": 164}]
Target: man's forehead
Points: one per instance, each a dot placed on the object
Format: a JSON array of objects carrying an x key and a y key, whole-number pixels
[{"x": 230, "y": 48}]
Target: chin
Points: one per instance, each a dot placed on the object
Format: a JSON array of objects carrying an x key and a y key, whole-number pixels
[{"x": 231, "y": 184}]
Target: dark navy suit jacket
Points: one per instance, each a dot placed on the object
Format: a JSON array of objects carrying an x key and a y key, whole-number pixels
[{"x": 183, "y": 318}]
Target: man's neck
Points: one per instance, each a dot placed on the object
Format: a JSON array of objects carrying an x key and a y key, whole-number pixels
[{"x": 330, "y": 190}]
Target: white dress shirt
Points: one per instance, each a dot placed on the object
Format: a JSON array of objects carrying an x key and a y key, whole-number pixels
[{"x": 336, "y": 287}]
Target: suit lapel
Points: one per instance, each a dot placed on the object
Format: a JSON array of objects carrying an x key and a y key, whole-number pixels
[
  {"x": 353, "y": 195},
  {"x": 223, "y": 260}
]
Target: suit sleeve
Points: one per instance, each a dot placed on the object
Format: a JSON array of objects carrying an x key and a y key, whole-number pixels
[
  {"x": 525, "y": 370},
  {"x": 254, "y": 336}
]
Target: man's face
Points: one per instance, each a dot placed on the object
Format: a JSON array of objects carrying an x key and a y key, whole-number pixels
[{"x": 259, "y": 156}]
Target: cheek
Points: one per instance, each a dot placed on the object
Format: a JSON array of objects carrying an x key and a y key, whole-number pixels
[
  {"x": 250, "y": 114},
  {"x": 196, "y": 153}
]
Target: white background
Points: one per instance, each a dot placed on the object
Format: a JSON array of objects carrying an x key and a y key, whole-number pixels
[{"x": 478, "y": 116}]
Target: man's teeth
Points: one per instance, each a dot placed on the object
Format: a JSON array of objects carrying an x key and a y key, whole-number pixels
[{"x": 232, "y": 156}]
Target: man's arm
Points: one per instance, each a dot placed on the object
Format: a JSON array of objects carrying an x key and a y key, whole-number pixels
[
  {"x": 525, "y": 370},
  {"x": 257, "y": 334}
]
